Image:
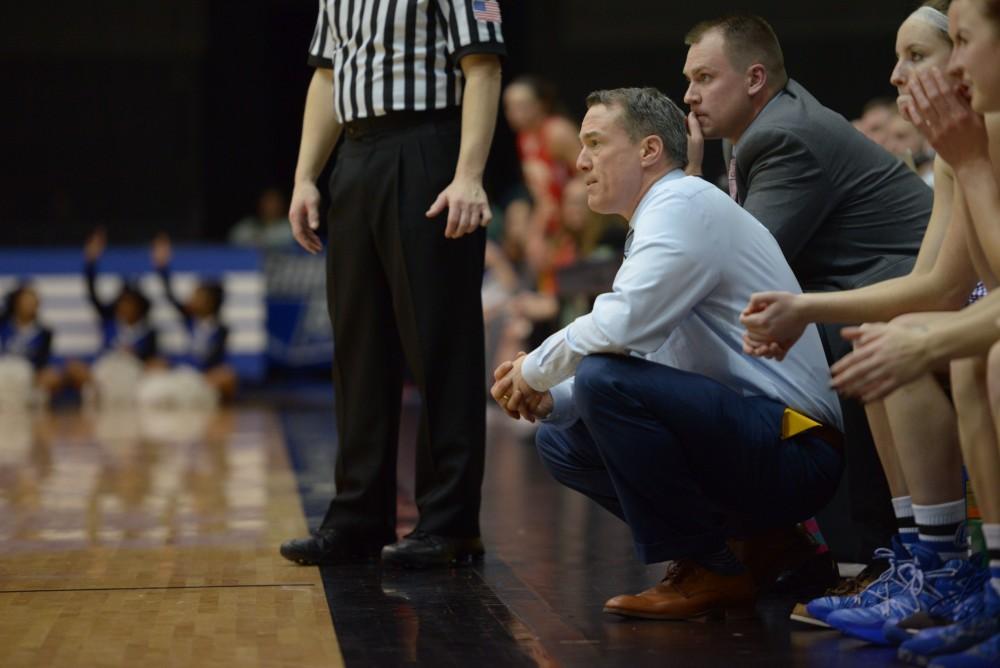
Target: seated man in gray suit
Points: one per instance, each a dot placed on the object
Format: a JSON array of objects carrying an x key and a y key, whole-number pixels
[{"x": 845, "y": 212}]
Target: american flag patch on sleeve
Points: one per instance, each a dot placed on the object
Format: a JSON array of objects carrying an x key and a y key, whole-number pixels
[{"x": 486, "y": 10}]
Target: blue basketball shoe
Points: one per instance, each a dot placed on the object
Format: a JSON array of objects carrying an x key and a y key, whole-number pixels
[
  {"x": 984, "y": 655},
  {"x": 929, "y": 581},
  {"x": 959, "y": 606},
  {"x": 888, "y": 584},
  {"x": 958, "y": 637}
]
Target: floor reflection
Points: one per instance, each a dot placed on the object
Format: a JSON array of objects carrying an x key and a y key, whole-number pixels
[
  {"x": 553, "y": 559},
  {"x": 433, "y": 618},
  {"x": 139, "y": 478},
  {"x": 572, "y": 555},
  {"x": 148, "y": 538}
]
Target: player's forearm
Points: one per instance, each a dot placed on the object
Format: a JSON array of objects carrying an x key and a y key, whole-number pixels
[
  {"x": 971, "y": 332},
  {"x": 479, "y": 114},
  {"x": 320, "y": 128},
  {"x": 882, "y": 301}
]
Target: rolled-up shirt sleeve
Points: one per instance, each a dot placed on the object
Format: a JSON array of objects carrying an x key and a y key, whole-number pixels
[
  {"x": 321, "y": 47},
  {"x": 472, "y": 26},
  {"x": 671, "y": 266}
]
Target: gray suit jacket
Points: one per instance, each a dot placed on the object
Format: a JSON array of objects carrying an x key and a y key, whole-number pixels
[{"x": 845, "y": 212}]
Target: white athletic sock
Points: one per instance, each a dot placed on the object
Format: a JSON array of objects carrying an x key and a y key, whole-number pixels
[
  {"x": 902, "y": 506},
  {"x": 941, "y": 528}
]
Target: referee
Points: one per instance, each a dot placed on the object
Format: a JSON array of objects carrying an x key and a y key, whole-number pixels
[{"x": 414, "y": 87}]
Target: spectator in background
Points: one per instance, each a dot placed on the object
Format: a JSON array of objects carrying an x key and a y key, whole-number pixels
[
  {"x": 547, "y": 145},
  {"x": 201, "y": 315},
  {"x": 583, "y": 230},
  {"x": 124, "y": 320},
  {"x": 22, "y": 334},
  {"x": 905, "y": 142},
  {"x": 515, "y": 309},
  {"x": 875, "y": 118},
  {"x": 268, "y": 229},
  {"x": 845, "y": 212},
  {"x": 532, "y": 310}
]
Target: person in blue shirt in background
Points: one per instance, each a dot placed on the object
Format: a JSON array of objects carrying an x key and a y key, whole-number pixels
[
  {"x": 201, "y": 318},
  {"x": 23, "y": 335},
  {"x": 124, "y": 320}
]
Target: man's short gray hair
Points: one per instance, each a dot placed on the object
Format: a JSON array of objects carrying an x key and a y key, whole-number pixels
[{"x": 645, "y": 112}]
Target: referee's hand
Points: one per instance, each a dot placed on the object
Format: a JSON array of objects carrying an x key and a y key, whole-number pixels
[
  {"x": 304, "y": 216},
  {"x": 468, "y": 207}
]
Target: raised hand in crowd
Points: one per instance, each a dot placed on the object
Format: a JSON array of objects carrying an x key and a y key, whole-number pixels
[
  {"x": 942, "y": 112},
  {"x": 515, "y": 396},
  {"x": 95, "y": 245},
  {"x": 773, "y": 324},
  {"x": 162, "y": 251}
]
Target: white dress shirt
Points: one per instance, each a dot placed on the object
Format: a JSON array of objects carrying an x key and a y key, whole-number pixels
[{"x": 694, "y": 260}]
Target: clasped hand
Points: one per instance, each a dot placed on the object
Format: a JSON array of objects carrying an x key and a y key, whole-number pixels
[
  {"x": 772, "y": 323},
  {"x": 513, "y": 394}
]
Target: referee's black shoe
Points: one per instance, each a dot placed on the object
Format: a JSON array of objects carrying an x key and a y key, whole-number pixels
[
  {"x": 424, "y": 550},
  {"x": 328, "y": 546}
]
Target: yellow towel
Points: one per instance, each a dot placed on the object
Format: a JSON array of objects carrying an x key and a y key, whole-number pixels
[{"x": 794, "y": 422}]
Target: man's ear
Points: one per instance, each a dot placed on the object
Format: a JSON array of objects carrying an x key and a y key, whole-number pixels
[
  {"x": 650, "y": 150},
  {"x": 756, "y": 79}
]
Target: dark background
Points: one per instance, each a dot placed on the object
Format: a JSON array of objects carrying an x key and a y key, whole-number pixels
[{"x": 144, "y": 115}]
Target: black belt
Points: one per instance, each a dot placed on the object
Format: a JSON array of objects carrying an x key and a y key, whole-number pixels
[
  {"x": 395, "y": 121},
  {"x": 831, "y": 435}
]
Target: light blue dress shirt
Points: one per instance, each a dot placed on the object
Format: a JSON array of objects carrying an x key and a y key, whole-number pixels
[{"x": 693, "y": 260}]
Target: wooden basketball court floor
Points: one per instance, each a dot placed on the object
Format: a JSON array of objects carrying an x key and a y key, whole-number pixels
[{"x": 136, "y": 538}]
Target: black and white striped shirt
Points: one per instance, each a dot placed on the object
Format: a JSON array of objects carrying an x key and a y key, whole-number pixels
[{"x": 395, "y": 55}]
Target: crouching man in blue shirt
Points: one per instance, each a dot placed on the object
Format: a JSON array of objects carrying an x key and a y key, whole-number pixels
[{"x": 649, "y": 405}]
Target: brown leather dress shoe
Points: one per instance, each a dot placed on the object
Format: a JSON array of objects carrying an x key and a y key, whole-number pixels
[{"x": 687, "y": 591}]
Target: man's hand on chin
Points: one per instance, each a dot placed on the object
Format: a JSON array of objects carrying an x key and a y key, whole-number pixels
[{"x": 513, "y": 394}]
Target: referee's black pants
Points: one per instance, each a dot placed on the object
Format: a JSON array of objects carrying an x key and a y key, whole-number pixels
[{"x": 399, "y": 291}]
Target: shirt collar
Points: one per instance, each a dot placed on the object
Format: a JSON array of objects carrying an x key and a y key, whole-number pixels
[{"x": 672, "y": 175}]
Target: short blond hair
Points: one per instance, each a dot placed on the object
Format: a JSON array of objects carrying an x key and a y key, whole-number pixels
[{"x": 749, "y": 40}]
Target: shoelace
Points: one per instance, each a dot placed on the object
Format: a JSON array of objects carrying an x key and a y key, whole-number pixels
[
  {"x": 965, "y": 602},
  {"x": 905, "y": 601},
  {"x": 879, "y": 589},
  {"x": 908, "y": 601},
  {"x": 856, "y": 585},
  {"x": 677, "y": 571}
]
